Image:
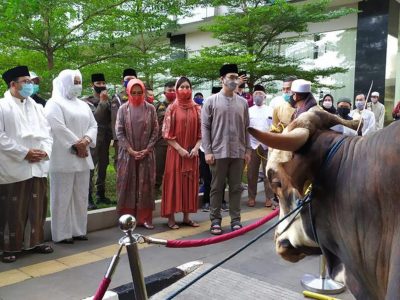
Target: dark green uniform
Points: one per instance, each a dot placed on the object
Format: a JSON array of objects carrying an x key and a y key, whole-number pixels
[
  {"x": 161, "y": 145},
  {"x": 116, "y": 102},
  {"x": 102, "y": 114}
]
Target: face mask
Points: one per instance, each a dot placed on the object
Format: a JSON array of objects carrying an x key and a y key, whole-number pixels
[
  {"x": 286, "y": 97},
  {"x": 327, "y": 104},
  {"x": 170, "y": 96},
  {"x": 258, "y": 100},
  {"x": 126, "y": 83},
  {"x": 35, "y": 89},
  {"x": 230, "y": 84},
  {"x": 99, "y": 89},
  {"x": 150, "y": 99},
  {"x": 360, "y": 105},
  {"x": 75, "y": 91},
  {"x": 198, "y": 100},
  {"x": 26, "y": 90},
  {"x": 185, "y": 94},
  {"x": 374, "y": 100},
  {"x": 343, "y": 111}
]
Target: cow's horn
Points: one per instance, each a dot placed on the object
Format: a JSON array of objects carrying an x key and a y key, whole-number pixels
[{"x": 289, "y": 141}]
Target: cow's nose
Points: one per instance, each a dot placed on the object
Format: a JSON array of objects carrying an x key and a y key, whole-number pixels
[{"x": 284, "y": 243}]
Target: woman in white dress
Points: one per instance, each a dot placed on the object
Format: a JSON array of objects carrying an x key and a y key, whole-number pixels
[{"x": 74, "y": 129}]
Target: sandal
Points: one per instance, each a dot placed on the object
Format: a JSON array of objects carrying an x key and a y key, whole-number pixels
[
  {"x": 215, "y": 228},
  {"x": 268, "y": 203},
  {"x": 173, "y": 226},
  {"x": 8, "y": 257},
  {"x": 236, "y": 225},
  {"x": 148, "y": 226},
  {"x": 251, "y": 203},
  {"x": 43, "y": 249},
  {"x": 190, "y": 223}
]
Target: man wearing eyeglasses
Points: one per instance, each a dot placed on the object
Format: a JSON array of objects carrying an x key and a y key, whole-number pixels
[
  {"x": 226, "y": 144},
  {"x": 100, "y": 105},
  {"x": 367, "y": 115},
  {"x": 25, "y": 148}
]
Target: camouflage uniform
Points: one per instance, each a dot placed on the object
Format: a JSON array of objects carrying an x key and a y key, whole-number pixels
[
  {"x": 161, "y": 145},
  {"x": 102, "y": 114},
  {"x": 116, "y": 102}
]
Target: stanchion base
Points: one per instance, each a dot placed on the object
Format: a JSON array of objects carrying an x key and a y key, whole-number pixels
[{"x": 320, "y": 285}]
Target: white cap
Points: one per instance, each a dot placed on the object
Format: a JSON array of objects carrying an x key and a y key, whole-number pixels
[
  {"x": 301, "y": 86},
  {"x": 375, "y": 94},
  {"x": 33, "y": 75}
]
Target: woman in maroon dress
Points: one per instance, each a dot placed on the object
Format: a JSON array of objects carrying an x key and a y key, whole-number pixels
[
  {"x": 137, "y": 130},
  {"x": 181, "y": 129}
]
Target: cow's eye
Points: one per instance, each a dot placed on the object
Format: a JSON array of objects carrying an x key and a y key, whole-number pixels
[{"x": 276, "y": 184}]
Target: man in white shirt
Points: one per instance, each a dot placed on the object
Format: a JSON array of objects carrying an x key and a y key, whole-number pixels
[
  {"x": 368, "y": 116},
  {"x": 378, "y": 109},
  {"x": 259, "y": 119},
  {"x": 25, "y": 148}
]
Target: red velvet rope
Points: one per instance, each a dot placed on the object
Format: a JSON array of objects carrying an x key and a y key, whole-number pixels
[
  {"x": 223, "y": 237},
  {"x": 102, "y": 289}
]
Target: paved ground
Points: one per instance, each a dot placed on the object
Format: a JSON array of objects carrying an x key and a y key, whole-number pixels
[{"x": 74, "y": 271}]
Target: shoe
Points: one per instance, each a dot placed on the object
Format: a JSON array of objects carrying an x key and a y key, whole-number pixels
[
  {"x": 224, "y": 206},
  {"x": 206, "y": 207},
  {"x": 101, "y": 199},
  {"x": 80, "y": 238},
  {"x": 251, "y": 203},
  {"x": 66, "y": 241}
]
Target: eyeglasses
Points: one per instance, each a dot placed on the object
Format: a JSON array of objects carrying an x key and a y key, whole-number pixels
[{"x": 26, "y": 81}]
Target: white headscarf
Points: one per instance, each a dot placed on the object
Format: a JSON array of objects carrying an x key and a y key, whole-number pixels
[{"x": 63, "y": 83}]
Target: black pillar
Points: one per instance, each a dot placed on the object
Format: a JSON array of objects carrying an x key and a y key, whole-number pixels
[{"x": 372, "y": 32}]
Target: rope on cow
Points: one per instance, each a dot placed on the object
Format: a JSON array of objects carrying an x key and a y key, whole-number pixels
[{"x": 305, "y": 201}]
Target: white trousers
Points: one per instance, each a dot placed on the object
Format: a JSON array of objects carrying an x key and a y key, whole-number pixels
[{"x": 68, "y": 204}]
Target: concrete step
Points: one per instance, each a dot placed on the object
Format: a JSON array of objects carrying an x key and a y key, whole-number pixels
[{"x": 226, "y": 284}]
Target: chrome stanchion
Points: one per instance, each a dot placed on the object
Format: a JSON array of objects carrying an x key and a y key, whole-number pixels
[
  {"x": 323, "y": 283},
  {"x": 127, "y": 224}
]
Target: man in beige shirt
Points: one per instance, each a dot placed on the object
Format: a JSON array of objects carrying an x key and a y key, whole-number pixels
[{"x": 224, "y": 120}]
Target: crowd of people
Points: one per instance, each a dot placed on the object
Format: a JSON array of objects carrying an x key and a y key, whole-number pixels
[{"x": 169, "y": 145}]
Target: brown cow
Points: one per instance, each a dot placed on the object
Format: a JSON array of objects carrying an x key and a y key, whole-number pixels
[{"x": 353, "y": 215}]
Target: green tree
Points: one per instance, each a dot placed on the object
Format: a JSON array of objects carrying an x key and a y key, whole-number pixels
[{"x": 250, "y": 35}]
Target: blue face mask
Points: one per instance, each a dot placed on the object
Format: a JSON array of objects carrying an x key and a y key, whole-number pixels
[
  {"x": 198, "y": 100},
  {"x": 286, "y": 97},
  {"x": 26, "y": 90},
  {"x": 35, "y": 89},
  {"x": 126, "y": 83}
]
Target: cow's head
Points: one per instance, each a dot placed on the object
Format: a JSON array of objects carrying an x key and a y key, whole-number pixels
[{"x": 294, "y": 161}]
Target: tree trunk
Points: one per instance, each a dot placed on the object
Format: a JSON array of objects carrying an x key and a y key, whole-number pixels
[{"x": 50, "y": 59}]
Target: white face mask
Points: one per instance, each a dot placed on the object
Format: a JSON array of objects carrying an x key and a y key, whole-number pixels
[
  {"x": 374, "y": 99},
  {"x": 327, "y": 104},
  {"x": 75, "y": 91}
]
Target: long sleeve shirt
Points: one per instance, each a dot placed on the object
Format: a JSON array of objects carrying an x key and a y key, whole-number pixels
[
  {"x": 379, "y": 111},
  {"x": 368, "y": 119},
  {"x": 23, "y": 126},
  {"x": 224, "y": 122},
  {"x": 259, "y": 119},
  {"x": 70, "y": 120}
]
